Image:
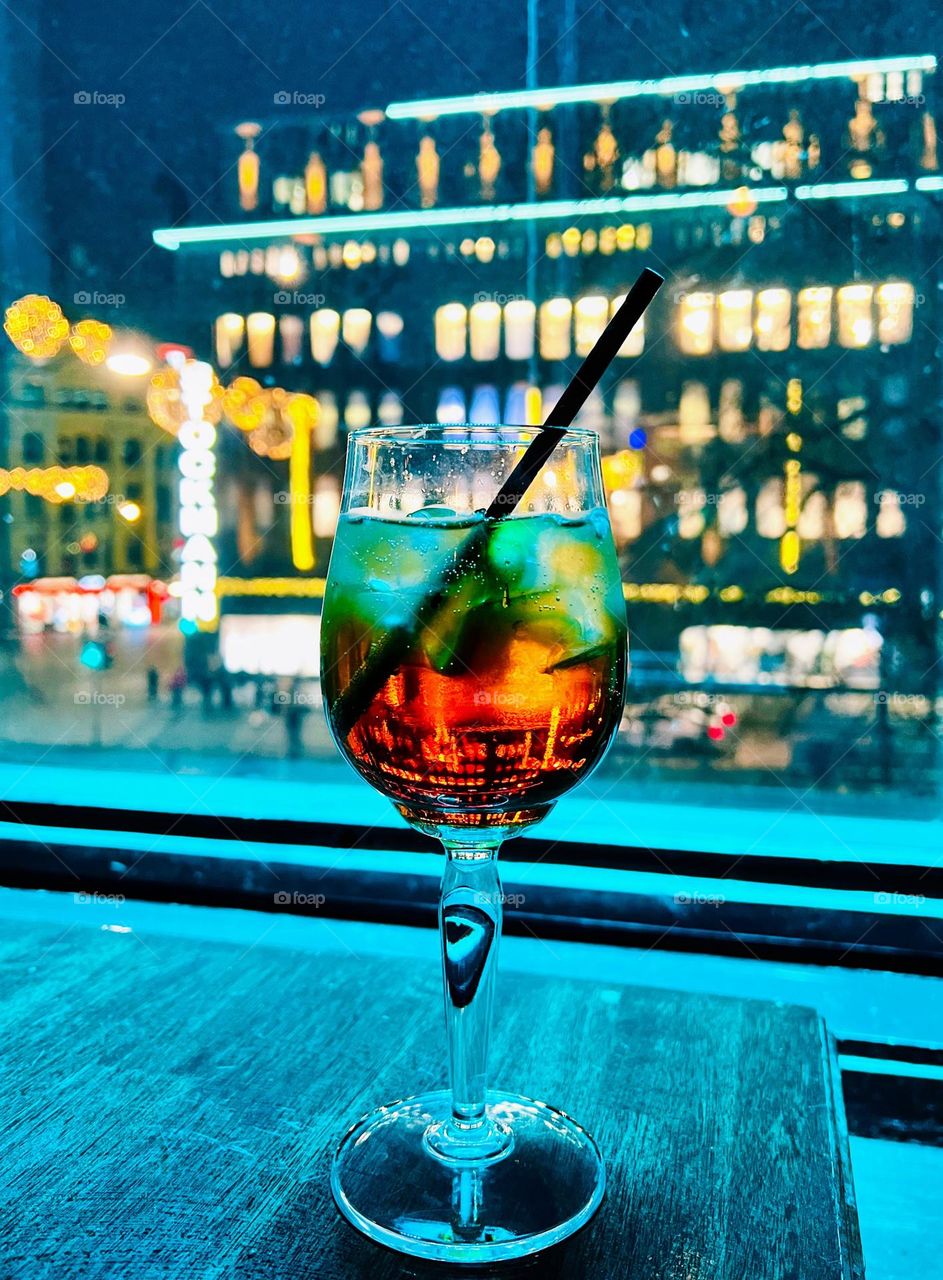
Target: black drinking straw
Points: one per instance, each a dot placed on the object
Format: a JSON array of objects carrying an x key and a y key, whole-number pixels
[{"x": 384, "y": 658}]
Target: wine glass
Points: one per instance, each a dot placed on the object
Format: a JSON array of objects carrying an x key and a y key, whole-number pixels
[{"x": 473, "y": 671}]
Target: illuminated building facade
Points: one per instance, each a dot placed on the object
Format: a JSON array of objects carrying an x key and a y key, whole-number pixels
[
  {"x": 87, "y": 481},
  {"x": 770, "y": 462}
]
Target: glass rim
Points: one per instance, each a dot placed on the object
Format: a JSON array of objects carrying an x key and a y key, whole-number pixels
[{"x": 437, "y": 432}]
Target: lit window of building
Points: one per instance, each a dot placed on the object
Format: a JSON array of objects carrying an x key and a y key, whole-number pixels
[
  {"x": 696, "y": 324},
  {"x": 815, "y": 318},
  {"x": 732, "y": 513},
  {"x": 851, "y": 510},
  {"x": 690, "y": 513},
  {"x": 891, "y": 521},
  {"x": 590, "y": 316},
  {"x": 451, "y": 407},
  {"x": 325, "y": 429},
  {"x": 325, "y": 327},
  {"x": 694, "y": 413},
  {"x": 773, "y": 315},
  {"x": 855, "y": 319},
  {"x": 357, "y": 411},
  {"x": 625, "y": 513},
  {"x": 770, "y": 512},
  {"x": 450, "y": 335},
  {"x": 519, "y": 317},
  {"x": 484, "y": 329},
  {"x": 555, "y": 318},
  {"x": 734, "y": 320},
  {"x": 634, "y": 344},
  {"x": 895, "y": 312},
  {"x": 730, "y": 424},
  {"x": 327, "y": 506},
  {"x": 291, "y": 331},
  {"x": 814, "y": 513},
  {"x": 229, "y": 332},
  {"x": 390, "y": 409},
  {"x": 260, "y": 330},
  {"x": 355, "y": 329}
]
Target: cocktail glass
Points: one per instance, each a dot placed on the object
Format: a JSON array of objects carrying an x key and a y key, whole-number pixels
[{"x": 473, "y": 671}]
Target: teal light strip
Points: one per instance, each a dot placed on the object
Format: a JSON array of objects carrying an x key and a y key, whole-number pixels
[
  {"x": 844, "y": 190},
  {"x": 891, "y": 1067},
  {"x": 929, "y": 184},
  {"x": 609, "y": 91},
  {"x": 416, "y": 220}
]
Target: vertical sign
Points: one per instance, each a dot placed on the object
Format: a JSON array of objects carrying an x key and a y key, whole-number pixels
[{"x": 198, "y": 516}]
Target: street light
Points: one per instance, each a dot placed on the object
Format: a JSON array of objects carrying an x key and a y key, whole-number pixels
[{"x": 129, "y": 364}]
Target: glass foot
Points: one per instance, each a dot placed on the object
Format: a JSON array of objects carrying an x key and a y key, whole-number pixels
[{"x": 541, "y": 1179}]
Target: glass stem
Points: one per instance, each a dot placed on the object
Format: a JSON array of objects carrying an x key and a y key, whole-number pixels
[{"x": 470, "y": 911}]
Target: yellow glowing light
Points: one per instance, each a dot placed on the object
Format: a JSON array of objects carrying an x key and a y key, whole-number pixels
[
  {"x": 794, "y": 441},
  {"x": 276, "y": 587},
  {"x": 554, "y": 245},
  {"x": 734, "y": 328},
  {"x": 554, "y": 323},
  {"x": 794, "y": 396},
  {"x": 484, "y": 328},
  {"x": 635, "y": 342},
  {"x": 519, "y": 317},
  {"x": 129, "y": 511},
  {"x": 245, "y": 403},
  {"x": 643, "y": 236},
  {"x": 355, "y": 328},
  {"x": 288, "y": 267},
  {"x": 302, "y": 412},
  {"x": 229, "y": 332},
  {"x": 789, "y": 548},
  {"x": 773, "y": 314},
  {"x": 815, "y": 318},
  {"x": 90, "y": 340},
  {"x": 625, "y": 236},
  {"x": 590, "y": 314},
  {"x": 65, "y": 489},
  {"x": 571, "y": 240},
  {"x": 36, "y": 326},
  {"x": 696, "y": 324},
  {"x": 260, "y": 329},
  {"x": 128, "y": 364},
  {"x": 450, "y": 331},
  {"x": 895, "y": 312},
  {"x": 325, "y": 328},
  {"x": 165, "y": 404},
  {"x": 352, "y": 254},
  {"x": 855, "y": 321},
  {"x": 484, "y": 249}
]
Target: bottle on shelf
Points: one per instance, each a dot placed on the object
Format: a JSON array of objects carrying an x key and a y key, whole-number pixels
[{"x": 248, "y": 166}]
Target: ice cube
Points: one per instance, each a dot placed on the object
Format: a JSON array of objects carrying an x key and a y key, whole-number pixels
[{"x": 433, "y": 513}]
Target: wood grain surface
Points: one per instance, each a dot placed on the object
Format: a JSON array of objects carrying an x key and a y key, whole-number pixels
[{"x": 170, "y": 1106}]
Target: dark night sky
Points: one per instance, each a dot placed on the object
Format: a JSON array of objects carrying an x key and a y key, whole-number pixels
[{"x": 189, "y": 70}]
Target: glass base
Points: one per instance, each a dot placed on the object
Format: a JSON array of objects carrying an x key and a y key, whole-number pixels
[{"x": 540, "y": 1180}]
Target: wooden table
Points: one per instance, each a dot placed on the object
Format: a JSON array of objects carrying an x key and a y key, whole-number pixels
[{"x": 170, "y": 1105}]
